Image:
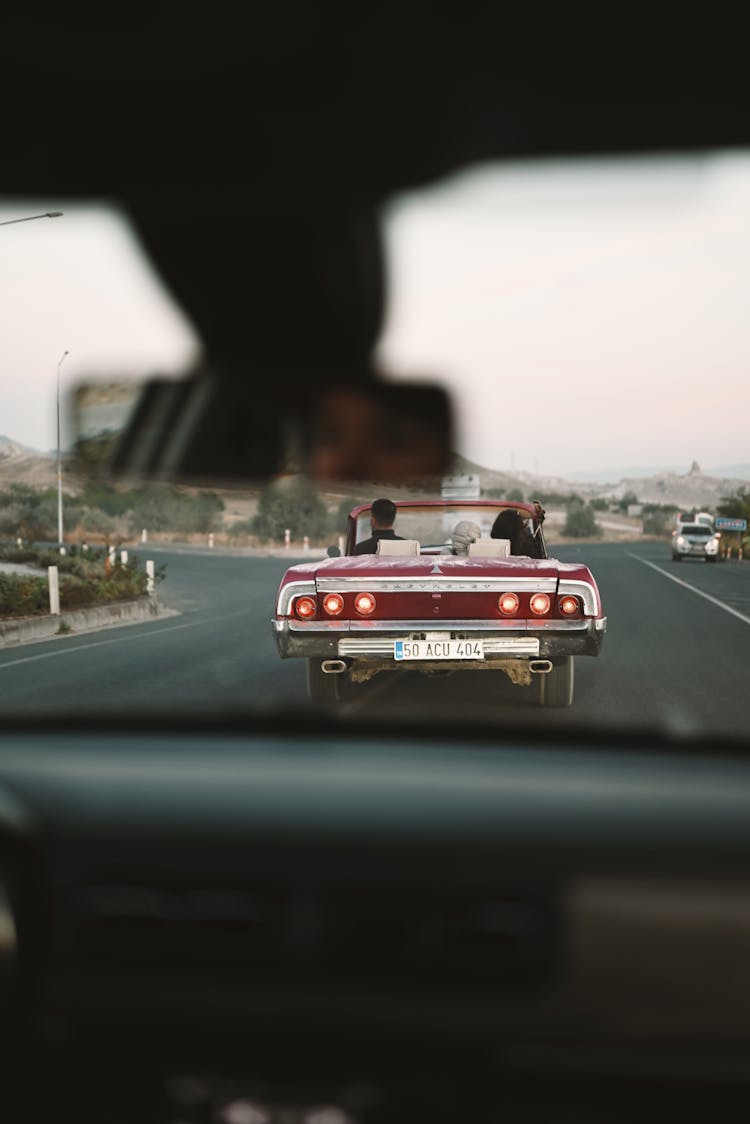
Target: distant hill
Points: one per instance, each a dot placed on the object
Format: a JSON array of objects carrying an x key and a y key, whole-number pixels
[
  {"x": 10, "y": 448},
  {"x": 693, "y": 488},
  {"x": 20, "y": 464},
  {"x": 741, "y": 471},
  {"x": 633, "y": 472}
]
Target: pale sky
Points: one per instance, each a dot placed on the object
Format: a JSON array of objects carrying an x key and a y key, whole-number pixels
[
  {"x": 592, "y": 315},
  {"x": 585, "y": 316},
  {"x": 78, "y": 283}
]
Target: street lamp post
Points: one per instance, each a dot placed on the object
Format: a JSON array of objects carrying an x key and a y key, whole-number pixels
[
  {"x": 28, "y": 218},
  {"x": 59, "y": 462}
]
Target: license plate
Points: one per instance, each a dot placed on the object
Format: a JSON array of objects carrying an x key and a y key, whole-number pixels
[{"x": 438, "y": 650}]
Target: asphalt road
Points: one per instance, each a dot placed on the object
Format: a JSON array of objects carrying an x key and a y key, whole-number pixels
[{"x": 675, "y": 655}]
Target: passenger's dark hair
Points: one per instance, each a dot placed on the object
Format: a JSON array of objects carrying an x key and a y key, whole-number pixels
[
  {"x": 506, "y": 525},
  {"x": 384, "y": 512}
]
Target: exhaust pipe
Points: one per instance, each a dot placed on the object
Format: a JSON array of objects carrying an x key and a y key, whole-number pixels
[
  {"x": 540, "y": 667},
  {"x": 333, "y": 667}
]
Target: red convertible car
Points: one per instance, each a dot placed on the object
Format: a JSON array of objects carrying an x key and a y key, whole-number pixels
[{"x": 431, "y": 601}]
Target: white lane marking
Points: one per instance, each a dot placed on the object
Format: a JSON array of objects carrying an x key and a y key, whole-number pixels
[
  {"x": 115, "y": 640},
  {"x": 692, "y": 588}
]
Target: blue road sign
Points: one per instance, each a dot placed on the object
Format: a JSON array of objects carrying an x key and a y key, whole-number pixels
[{"x": 724, "y": 523}]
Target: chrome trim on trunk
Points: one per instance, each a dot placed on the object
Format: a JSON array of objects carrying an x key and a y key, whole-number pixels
[{"x": 440, "y": 583}]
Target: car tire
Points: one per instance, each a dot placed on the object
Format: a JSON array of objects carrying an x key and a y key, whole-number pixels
[
  {"x": 322, "y": 688},
  {"x": 710, "y": 557},
  {"x": 677, "y": 558},
  {"x": 556, "y": 686}
]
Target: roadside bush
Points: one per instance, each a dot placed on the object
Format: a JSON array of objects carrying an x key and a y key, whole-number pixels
[
  {"x": 339, "y": 518},
  {"x": 163, "y": 508},
  {"x": 558, "y": 499},
  {"x": 123, "y": 584},
  {"x": 581, "y": 521},
  {"x": 11, "y": 516},
  {"x": 241, "y": 527},
  {"x": 85, "y": 580},
  {"x": 13, "y": 553},
  {"x": 98, "y": 522},
  {"x": 104, "y": 498},
  {"x": 658, "y": 519},
  {"x": 736, "y": 506},
  {"x": 625, "y": 502},
  {"x": 295, "y": 506},
  {"x": 22, "y": 595}
]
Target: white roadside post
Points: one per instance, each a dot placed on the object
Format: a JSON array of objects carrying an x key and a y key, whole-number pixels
[
  {"x": 342, "y": 543},
  {"x": 112, "y": 555},
  {"x": 150, "y": 578},
  {"x": 123, "y": 557},
  {"x": 54, "y": 590},
  {"x": 305, "y": 544},
  {"x": 144, "y": 535},
  {"x": 287, "y": 538},
  {"x": 211, "y": 541}
]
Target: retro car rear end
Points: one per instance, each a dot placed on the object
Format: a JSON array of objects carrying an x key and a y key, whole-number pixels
[{"x": 422, "y": 608}]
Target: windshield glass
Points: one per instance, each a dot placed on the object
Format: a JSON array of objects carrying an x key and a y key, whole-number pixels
[
  {"x": 588, "y": 319},
  {"x": 433, "y": 526}
]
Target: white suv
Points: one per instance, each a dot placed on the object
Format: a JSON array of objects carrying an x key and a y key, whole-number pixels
[{"x": 695, "y": 540}]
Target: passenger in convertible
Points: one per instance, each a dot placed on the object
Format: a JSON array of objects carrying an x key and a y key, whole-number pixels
[
  {"x": 511, "y": 525},
  {"x": 464, "y": 533}
]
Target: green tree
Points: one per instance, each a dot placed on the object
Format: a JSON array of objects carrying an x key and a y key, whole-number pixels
[
  {"x": 736, "y": 506},
  {"x": 581, "y": 521},
  {"x": 624, "y": 503},
  {"x": 90, "y": 456},
  {"x": 290, "y": 505},
  {"x": 164, "y": 508}
]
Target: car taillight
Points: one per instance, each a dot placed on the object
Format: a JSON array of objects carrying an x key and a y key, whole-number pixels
[
  {"x": 539, "y": 604},
  {"x": 568, "y": 606},
  {"x": 333, "y": 603},
  {"x": 305, "y": 608},
  {"x": 365, "y": 603},
  {"x": 507, "y": 603}
]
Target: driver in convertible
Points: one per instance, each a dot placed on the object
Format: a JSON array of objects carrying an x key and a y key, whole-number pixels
[{"x": 382, "y": 518}]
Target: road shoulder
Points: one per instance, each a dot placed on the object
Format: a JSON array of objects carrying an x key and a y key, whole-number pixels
[{"x": 28, "y": 630}]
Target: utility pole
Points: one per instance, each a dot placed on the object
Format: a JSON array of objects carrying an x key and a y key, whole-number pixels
[{"x": 59, "y": 462}]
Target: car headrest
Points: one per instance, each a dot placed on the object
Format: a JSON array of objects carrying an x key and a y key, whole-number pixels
[
  {"x": 397, "y": 546},
  {"x": 490, "y": 548}
]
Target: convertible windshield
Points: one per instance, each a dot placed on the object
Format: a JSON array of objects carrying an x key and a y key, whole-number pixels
[{"x": 433, "y": 526}]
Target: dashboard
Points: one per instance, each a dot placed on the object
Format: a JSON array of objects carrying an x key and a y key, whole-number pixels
[{"x": 231, "y": 919}]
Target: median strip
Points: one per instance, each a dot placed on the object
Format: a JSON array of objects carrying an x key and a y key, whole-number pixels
[{"x": 692, "y": 588}]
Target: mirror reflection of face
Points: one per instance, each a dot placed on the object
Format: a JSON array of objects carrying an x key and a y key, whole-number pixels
[{"x": 355, "y": 437}]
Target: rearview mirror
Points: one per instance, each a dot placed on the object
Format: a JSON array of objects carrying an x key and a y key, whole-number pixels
[{"x": 202, "y": 429}]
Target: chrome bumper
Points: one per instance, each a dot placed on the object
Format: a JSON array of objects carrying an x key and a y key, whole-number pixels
[{"x": 356, "y": 641}]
